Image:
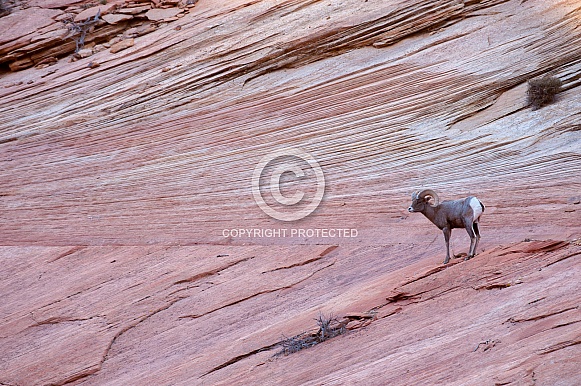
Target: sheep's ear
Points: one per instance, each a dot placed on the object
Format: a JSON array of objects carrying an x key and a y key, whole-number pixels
[{"x": 429, "y": 198}]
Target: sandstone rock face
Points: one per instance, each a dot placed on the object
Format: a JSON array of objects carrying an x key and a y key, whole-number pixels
[
  {"x": 85, "y": 53},
  {"x": 161, "y": 14},
  {"x": 122, "y": 45},
  {"x": 90, "y": 13},
  {"x": 20, "y": 25},
  {"x": 53, "y": 3},
  {"x": 134, "y": 10},
  {"x": 34, "y": 32},
  {"x": 134, "y": 252},
  {"x": 114, "y": 19}
]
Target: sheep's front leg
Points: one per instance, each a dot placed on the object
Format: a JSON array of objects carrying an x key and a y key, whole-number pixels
[{"x": 447, "y": 234}]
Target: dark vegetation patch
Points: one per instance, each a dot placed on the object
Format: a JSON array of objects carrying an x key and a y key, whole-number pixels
[{"x": 542, "y": 91}]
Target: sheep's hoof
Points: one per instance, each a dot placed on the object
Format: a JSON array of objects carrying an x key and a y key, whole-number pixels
[
  {"x": 445, "y": 262},
  {"x": 468, "y": 257}
]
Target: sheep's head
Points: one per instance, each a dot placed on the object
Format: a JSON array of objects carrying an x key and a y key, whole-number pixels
[{"x": 422, "y": 198}]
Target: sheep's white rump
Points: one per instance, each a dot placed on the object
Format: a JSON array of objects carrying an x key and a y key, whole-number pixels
[{"x": 476, "y": 208}]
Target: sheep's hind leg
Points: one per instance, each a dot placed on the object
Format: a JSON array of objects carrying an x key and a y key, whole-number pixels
[
  {"x": 473, "y": 241},
  {"x": 477, "y": 233}
]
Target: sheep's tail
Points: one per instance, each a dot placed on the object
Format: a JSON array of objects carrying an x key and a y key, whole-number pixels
[{"x": 482, "y": 205}]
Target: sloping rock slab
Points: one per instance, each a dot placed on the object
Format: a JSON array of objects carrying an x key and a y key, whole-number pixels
[
  {"x": 161, "y": 13},
  {"x": 21, "y": 23}
]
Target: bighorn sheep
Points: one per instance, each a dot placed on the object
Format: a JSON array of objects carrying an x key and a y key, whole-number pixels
[{"x": 464, "y": 213}]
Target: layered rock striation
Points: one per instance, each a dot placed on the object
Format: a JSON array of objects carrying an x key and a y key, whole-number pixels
[{"x": 126, "y": 192}]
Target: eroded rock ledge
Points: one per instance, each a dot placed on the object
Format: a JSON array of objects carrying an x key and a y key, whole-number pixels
[{"x": 38, "y": 33}]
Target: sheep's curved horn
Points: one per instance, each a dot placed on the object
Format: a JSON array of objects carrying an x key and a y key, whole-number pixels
[{"x": 431, "y": 193}]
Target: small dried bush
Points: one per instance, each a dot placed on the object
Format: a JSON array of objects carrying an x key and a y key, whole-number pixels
[
  {"x": 329, "y": 327},
  {"x": 542, "y": 91},
  {"x": 78, "y": 31}
]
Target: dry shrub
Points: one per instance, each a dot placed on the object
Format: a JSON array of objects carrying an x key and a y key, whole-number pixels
[
  {"x": 329, "y": 327},
  {"x": 542, "y": 91},
  {"x": 78, "y": 31}
]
